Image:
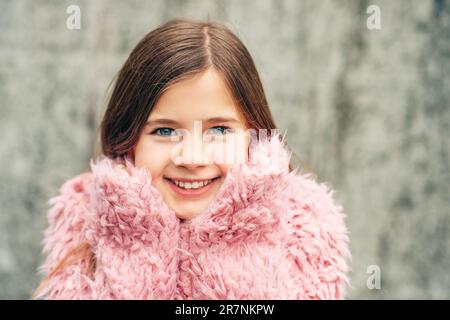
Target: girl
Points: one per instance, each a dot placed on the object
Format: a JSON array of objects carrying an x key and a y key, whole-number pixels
[{"x": 147, "y": 222}]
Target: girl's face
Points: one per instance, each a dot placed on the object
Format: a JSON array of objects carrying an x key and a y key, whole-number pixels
[{"x": 189, "y": 112}]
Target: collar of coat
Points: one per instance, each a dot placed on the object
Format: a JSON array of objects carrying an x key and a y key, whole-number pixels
[{"x": 249, "y": 204}]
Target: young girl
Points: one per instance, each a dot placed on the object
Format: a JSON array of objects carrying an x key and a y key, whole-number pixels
[{"x": 148, "y": 223}]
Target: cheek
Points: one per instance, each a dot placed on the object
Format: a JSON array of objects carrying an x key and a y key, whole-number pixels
[
  {"x": 230, "y": 150},
  {"x": 223, "y": 169},
  {"x": 224, "y": 166},
  {"x": 153, "y": 157}
]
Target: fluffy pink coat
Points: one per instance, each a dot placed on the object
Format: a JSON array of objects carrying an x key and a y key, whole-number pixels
[{"x": 268, "y": 234}]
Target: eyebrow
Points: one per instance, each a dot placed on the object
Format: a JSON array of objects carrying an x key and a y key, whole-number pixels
[{"x": 173, "y": 122}]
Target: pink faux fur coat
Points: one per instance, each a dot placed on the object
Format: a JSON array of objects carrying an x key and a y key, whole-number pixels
[{"x": 268, "y": 234}]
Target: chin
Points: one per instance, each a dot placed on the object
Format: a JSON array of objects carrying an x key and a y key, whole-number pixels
[
  {"x": 182, "y": 213},
  {"x": 185, "y": 216}
]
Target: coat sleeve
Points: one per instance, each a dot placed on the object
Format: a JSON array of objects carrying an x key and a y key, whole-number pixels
[
  {"x": 318, "y": 244},
  {"x": 64, "y": 234},
  {"x": 133, "y": 239}
]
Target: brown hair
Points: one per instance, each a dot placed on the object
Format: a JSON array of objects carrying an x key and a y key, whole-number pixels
[
  {"x": 80, "y": 254},
  {"x": 174, "y": 51}
]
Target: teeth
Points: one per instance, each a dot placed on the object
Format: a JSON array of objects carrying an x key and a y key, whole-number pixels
[{"x": 191, "y": 185}]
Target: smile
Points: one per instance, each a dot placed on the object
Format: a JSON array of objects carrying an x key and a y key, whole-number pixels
[{"x": 192, "y": 187}]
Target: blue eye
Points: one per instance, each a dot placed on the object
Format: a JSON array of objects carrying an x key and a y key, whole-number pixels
[
  {"x": 167, "y": 132},
  {"x": 220, "y": 130},
  {"x": 164, "y": 131}
]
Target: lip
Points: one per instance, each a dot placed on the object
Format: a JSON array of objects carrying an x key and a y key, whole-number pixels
[
  {"x": 191, "y": 192},
  {"x": 190, "y": 180}
]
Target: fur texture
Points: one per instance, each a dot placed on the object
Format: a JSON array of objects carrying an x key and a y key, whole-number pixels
[{"x": 268, "y": 234}]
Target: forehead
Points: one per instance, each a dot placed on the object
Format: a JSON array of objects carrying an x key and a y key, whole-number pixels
[{"x": 205, "y": 95}]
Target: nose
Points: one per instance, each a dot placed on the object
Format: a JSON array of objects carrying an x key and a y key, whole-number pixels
[{"x": 191, "y": 153}]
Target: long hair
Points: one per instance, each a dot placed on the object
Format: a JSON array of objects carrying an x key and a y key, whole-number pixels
[{"x": 176, "y": 50}]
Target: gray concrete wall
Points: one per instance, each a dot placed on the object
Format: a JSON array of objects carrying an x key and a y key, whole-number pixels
[{"x": 367, "y": 110}]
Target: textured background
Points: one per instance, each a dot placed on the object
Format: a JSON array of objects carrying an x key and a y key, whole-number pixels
[{"x": 368, "y": 111}]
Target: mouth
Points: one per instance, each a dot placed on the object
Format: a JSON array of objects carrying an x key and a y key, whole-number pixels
[{"x": 191, "y": 188}]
